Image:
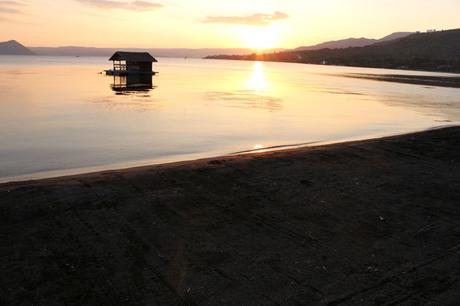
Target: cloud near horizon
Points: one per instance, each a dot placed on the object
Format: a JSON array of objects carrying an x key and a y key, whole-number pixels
[
  {"x": 11, "y": 7},
  {"x": 137, "y": 5},
  {"x": 255, "y": 19}
]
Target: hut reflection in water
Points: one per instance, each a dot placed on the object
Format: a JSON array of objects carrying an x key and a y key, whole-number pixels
[{"x": 132, "y": 83}]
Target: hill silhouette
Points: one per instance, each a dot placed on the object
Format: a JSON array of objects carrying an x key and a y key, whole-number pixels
[
  {"x": 353, "y": 42},
  {"x": 438, "y": 51},
  {"x": 12, "y": 47}
]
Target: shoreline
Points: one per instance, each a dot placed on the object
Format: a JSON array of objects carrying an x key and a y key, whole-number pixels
[
  {"x": 456, "y": 73},
  {"x": 365, "y": 222},
  {"x": 452, "y": 74},
  {"x": 126, "y": 166}
]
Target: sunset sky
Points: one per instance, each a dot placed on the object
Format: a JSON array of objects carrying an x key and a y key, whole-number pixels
[{"x": 215, "y": 23}]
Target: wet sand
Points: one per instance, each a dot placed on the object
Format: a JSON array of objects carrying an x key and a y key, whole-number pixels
[
  {"x": 436, "y": 81},
  {"x": 370, "y": 223}
]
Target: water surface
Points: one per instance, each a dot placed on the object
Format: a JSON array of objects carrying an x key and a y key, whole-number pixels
[{"x": 58, "y": 115}]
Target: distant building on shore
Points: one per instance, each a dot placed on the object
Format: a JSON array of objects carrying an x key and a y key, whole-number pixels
[{"x": 126, "y": 63}]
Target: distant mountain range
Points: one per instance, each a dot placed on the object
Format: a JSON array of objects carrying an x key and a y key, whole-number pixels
[
  {"x": 353, "y": 42},
  {"x": 157, "y": 52},
  {"x": 12, "y": 47},
  {"x": 434, "y": 51}
]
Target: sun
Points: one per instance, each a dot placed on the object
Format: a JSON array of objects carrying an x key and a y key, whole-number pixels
[{"x": 260, "y": 38}]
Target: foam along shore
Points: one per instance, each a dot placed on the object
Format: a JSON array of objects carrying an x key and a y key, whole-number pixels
[{"x": 367, "y": 222}]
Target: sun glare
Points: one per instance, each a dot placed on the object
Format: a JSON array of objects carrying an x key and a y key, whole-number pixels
[
  {"x": 257, "y": 81},
  {"x": 260, "y": 38}
]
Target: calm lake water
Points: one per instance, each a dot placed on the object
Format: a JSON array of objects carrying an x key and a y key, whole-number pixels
[{"x": 59, "y": 115}]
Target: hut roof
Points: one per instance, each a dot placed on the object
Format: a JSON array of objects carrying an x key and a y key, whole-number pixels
[{"x": 133, "y": 57}]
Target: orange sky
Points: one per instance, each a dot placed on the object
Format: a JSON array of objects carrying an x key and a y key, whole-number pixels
[{"x": 215, "y": 23}]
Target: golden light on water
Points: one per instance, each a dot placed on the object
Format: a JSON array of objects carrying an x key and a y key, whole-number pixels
[
  {"x": 211, "y": 112},
  {"x": 257, "y": 81}
]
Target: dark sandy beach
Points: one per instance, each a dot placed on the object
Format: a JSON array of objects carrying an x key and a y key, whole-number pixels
[{"x": 374, "y": 222}]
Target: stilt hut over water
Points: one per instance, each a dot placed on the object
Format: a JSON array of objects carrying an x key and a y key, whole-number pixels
[{"x": 126, "y": 63}]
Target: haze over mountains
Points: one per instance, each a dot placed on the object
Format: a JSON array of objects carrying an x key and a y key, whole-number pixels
[
  {"x": 353, "y": 42},
  {"x": 13, "y": 47},
  {"x": 157, "y": 52}
]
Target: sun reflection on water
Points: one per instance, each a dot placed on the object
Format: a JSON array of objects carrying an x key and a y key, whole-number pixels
[
  {"x": 257, "y": 81},
  {"x": 201, "y": 109}
]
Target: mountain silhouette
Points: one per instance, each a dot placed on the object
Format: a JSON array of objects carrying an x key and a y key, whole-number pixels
[
  {"x": 12, "y": 47},
  {"x": 353, "y": 42}
]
